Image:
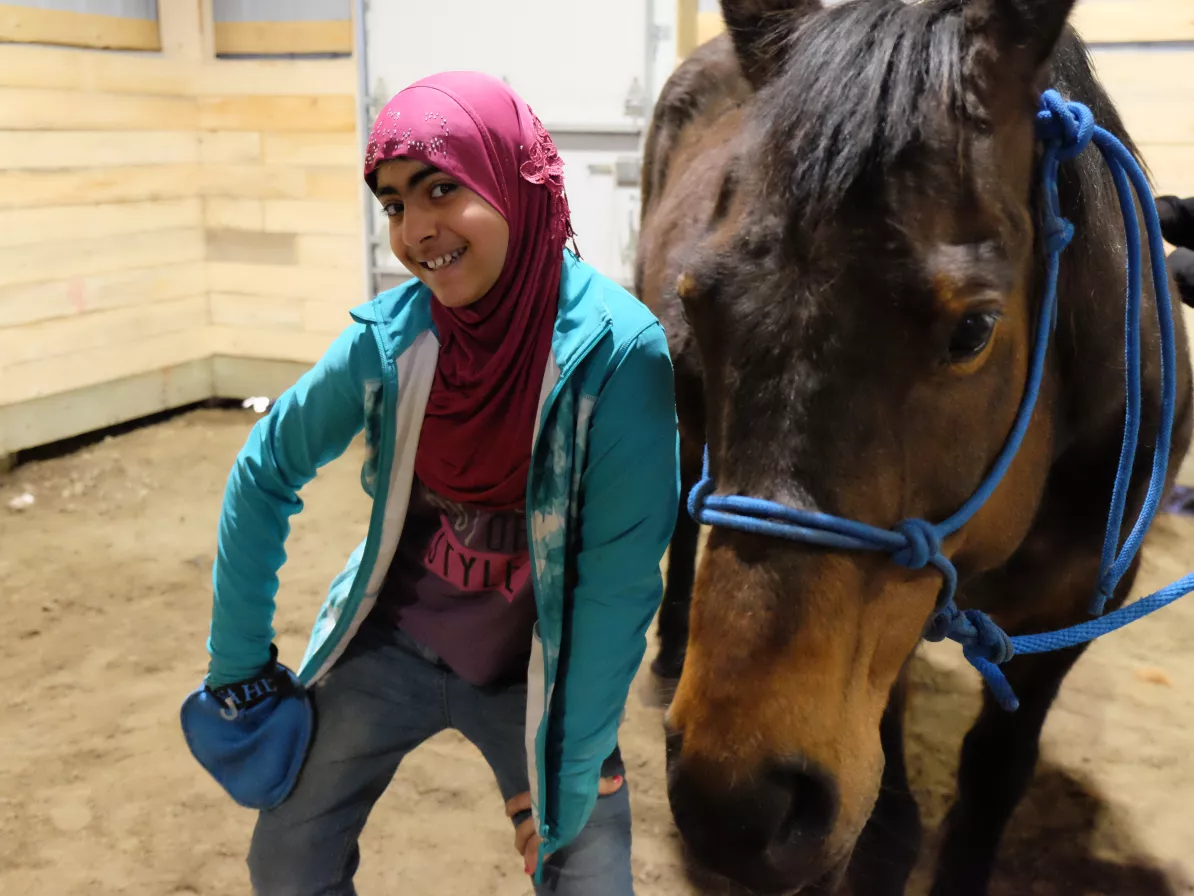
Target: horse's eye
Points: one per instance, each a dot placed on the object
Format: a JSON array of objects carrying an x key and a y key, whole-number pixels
[{"x": 971, "y": 335}]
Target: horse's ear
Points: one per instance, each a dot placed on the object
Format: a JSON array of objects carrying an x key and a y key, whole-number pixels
[
  {"x": 1015, "y": 38},
  {"x": 759, "y": 30}
]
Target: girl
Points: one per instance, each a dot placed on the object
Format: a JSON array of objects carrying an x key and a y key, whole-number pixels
[{"x": 522, "y": 454}]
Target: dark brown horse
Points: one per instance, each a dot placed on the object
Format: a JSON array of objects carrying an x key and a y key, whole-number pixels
[{"x": 840, "y": 233}]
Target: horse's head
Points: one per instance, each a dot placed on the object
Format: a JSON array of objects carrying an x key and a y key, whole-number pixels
[{"x": 863, "y": 304}]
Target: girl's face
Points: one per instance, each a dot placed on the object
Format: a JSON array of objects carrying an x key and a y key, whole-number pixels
[{"x": 441, "y": 231}]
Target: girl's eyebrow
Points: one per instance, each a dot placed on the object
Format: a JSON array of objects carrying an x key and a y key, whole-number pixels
[{"x": 413, "y": 181}]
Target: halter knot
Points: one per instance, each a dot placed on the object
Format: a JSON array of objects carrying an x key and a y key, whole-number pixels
[
  {"x": 1069, "y": 126},
  {"x": 1058, "y": 232},
  {"x": 923, "y": 543},
  {"x": 942, "y": 622},
  {"x": 981, "y": 638}
]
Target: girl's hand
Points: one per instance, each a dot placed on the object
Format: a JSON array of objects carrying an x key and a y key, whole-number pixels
[{"x": 526, "y": 838}]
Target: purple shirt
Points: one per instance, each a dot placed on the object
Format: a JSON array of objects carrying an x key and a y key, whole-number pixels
[{"x": 460, "y": 584}]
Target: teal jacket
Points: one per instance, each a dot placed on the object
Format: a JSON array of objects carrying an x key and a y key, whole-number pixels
[{"x": 602, "y": 498}]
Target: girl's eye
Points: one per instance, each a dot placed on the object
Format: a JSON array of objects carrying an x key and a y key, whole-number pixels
[
  {"x": 392, "y": 209},
  {"x": 439, "y": 191}
]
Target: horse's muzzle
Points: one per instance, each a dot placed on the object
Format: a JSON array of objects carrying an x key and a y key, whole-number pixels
[{"x": 767, "y": 830}]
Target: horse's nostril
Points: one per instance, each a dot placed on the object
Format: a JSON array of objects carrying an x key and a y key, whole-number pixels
[
  {"x": 765, "y": 829},
  {"x": 813, "y": 805}
]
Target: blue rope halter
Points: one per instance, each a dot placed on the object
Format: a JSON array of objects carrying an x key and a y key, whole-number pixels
[{"x": 1065, "y": 129}]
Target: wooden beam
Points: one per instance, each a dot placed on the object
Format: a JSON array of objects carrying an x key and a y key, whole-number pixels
[
  {"x": 1154, "y": 121},
  {"x": 254, "y": 182},
  {"x": 282, "y": 312},
  {"x": 334, "y": 184},
  {"x": 1159, "y": 71},
  {"x": 90, "y": 408},
  {"x": 277, "y": 113},
  {"x": 238, "y": 310},
  {"x": 289, "y": 216},
  {"x": 234, "y": 214},
  {"x": 709, "y": 25},
  {"x": 279, "y": 38},
  {"x": 326, "y": 317},
  {"x": 61, "y": 68},
  {"x": 270, "y": 343},
  {"x": 686, "y": 27},
  {"x": 35, "y": 343},
  {"x": 230, "y": 146},
  {"x": 1185, "y": 476},
  {"x": 333, "y": 187},
  {"x": 279, "y": 182},
  {"x": 31, "y": 226},
  {"x": 234, "y": 377},
  {"x": 1172, "y": 168},
  {"x": 207, "y": 30},
  {"x": 87, "y": 367},
  {"x": 103, "y": 255},
  {"x": 1134, "y": 21},
  {"x": 26, "y": 303},
  {"x": 277, "y": 77},
  {"x": 30, "y": 150},
  {"x": 27, "y": 109},
  {"x": 320, "y": 148},
  {"x": 324, "y": 251},
  {"x": 323, "y": 284},
  {"x": 251, "y": 247},
  {"x": 24, "y": 24},
  {"x": 182, "y": 28}
]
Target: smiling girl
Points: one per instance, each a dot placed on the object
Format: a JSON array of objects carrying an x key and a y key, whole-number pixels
[{"x": 521, "y": 440}]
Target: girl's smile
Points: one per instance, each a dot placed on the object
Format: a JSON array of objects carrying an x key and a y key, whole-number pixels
[{"x": 444, "y": 261}]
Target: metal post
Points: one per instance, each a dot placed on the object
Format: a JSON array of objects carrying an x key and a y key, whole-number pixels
[
  {"x": 364, "y": 125},
  {"x": 649, "y": 71}
]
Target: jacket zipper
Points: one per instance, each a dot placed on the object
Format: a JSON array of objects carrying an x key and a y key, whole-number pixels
[{"x": 540, "y": 758}]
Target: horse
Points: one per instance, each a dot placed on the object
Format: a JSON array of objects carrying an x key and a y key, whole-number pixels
[{"x": 840, "y": 233}]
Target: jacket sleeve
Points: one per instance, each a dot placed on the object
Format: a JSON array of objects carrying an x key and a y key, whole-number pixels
[
  {"x": 310, "y": 424},
  {"x": 628, "y": 503}
]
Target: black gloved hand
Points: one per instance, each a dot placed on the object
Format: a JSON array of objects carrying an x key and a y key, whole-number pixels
[
  {"x": 1177, "y": 220},
  {"x": 1181, "y": 264}
]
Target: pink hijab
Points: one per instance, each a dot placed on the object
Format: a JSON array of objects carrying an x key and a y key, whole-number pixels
[{"x": 475, "y": 445}]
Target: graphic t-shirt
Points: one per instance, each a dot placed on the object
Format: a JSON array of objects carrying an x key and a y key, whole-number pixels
[{"x": 460, "y": 584}]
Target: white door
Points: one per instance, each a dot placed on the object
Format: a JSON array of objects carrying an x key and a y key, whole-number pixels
[{"x": 584, "y": 66}]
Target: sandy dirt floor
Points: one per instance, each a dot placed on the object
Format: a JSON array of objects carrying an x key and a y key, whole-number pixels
[{"x": 104, "y": 584}]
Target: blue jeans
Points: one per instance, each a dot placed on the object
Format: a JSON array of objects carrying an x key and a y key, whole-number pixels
[{"x": 384, "y": 697}]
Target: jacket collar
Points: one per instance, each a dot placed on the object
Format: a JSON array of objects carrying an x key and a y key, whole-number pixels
[{"x": 402, "y": 313}]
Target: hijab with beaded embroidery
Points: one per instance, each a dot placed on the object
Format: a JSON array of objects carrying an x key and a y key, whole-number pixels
[{"x": 475, "y": 445}]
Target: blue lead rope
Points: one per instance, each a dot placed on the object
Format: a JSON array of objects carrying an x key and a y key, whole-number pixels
[{"x": 1065, "y": 129}]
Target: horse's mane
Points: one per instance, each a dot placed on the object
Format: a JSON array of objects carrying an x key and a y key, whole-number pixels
[{"x": 870, "y": 79}]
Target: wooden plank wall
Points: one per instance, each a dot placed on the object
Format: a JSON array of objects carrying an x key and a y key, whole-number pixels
[
  {"x": 101, "y": 224},
  {"x": 159, "y": 210},
  {"x": 281, "y": 205}
]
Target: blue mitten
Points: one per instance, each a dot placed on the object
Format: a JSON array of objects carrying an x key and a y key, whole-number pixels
[{"x": 251, "y": 736}]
